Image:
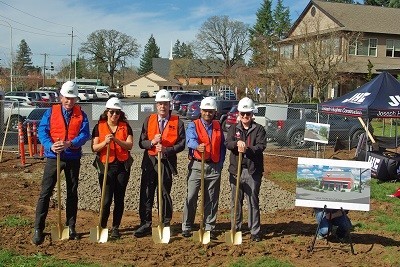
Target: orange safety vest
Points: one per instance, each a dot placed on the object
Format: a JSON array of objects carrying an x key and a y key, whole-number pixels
[
  {"x": 169, "y": 135},
  {"x": 58, "y": 126},
  {"x": 115, "y": 149},
  {"x": 213, "y": 146}
]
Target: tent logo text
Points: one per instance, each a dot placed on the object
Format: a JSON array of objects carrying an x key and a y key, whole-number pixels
[
  {"x": 357, "y": 98},
  {"x": 395, "y": 100}
]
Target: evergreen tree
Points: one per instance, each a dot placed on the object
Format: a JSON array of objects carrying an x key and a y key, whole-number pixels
[
  {"x": 182, "y": 50},
  {"x": 265, "y": 21},
  {"x": 23, "y": 61},
  {"x": 394, "y": 3},
  {"x": 377, "y": 2},
  {"x": 176, "y": 50},
  {"x": 281, "y": 16},
  {"x": 151, "y": 50}
]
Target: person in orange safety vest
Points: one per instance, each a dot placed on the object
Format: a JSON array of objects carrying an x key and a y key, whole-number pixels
[
  {"x": 113, "y": 130},
  {"x": 204, "y": 135},
  {"x": 164, "y": 133}
]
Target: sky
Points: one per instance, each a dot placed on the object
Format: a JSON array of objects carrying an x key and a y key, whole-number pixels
[{"x": 46, "y": 25}]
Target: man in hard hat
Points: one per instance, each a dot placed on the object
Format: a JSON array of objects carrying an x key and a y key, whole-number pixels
[
  {"x": 249, "y": 138},
  {"x": 64, "y": 129},
  {"x": 204, "y": 135},
  {"x": 165, "y": 133}
]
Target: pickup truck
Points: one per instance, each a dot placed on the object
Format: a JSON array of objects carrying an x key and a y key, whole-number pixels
[
  {"x": 290, "y": 131},
  {"x": 18, "y": 114},
  {"x": 104, "y": 92}
]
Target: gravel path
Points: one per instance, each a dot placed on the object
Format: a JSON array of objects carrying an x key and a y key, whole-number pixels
[{"x": 272, "y": 197}]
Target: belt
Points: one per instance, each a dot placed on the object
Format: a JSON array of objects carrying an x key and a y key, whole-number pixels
[{"x": 206, "y": 161}]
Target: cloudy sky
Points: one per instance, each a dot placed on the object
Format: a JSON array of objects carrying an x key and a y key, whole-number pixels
[{"x": 46, "y": 25}]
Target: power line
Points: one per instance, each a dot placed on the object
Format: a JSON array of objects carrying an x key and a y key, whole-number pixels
[
  {"x": 29, "y": 26},
  {"x": 34, "y": 15}
]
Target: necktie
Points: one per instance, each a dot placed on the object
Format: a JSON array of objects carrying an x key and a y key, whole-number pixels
[{"x": 162, "y": 125}]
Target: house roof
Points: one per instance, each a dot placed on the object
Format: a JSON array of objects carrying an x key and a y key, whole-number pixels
[
  {"x": 165, "y": 82},
  {"x": 356, "y": 17}
]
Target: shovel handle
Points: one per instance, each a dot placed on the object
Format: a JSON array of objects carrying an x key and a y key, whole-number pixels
[
  {"x": 59, "y": 195},
  {"x": 202, "y": 193},
  {"x": 239, "y": 172},
  {"x": 103, "y": 189},
  {"x": 160, "y": 185}
]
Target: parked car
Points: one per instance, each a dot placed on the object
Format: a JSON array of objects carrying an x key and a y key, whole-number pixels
[
  {"x": 47, "y": 96},
  {"x": 16, "y": 113},
  {"x": 35, "y": 96},
  {"x": 183, "y": 109},
  {"x": 82, "y": 95},
  {"x": 102, "y": 93},
  {"x": 231, "y": 118},
  {"x": 193, "y": 110},
  {"x": 144, "y": 94},
  {"x": 185, "y": 99},
  {"x": 22, "y": 100},
  {"x": 223, "y": 107},
  {"x": 34, "y": 117}
]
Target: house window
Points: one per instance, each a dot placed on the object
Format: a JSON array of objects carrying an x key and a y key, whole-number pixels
[
  {"x": 365, "y": 47},
  {"x": 286, "y": 51},
  {"x": 392, "y": 48}
]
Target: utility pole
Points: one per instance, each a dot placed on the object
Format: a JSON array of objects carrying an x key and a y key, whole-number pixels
[
  {"x": 11, "y": 54},
  {"x": 44, "y": 69},
  {"x": 72, "y": 44}
]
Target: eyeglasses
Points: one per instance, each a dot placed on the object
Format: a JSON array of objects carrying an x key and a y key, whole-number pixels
[
  {"x": 116, "y": 112},
  {"x": 245, "y": 113}
]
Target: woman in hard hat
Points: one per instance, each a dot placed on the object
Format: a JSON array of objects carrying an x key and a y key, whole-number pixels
[
  {"x": 113, "y": 130},
  {"x": 249, "y": 138}
]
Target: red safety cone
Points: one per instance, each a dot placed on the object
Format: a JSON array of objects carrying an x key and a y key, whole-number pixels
[
  {"x": 29, "y": 134},
  {"x": 21, "y": 144},
  {"x": 35, "y": 138}
]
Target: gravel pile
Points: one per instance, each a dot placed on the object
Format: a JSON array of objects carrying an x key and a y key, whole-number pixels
[{"x": 272, "y": 197}]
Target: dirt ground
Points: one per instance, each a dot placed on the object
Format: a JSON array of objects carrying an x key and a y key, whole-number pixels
[{"x": 287, "y": 233}]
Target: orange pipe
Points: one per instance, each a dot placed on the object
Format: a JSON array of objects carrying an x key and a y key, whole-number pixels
[
  {"x": 35, "y": 138},
  {"x": 21, "y": 143},
  {"x": 29, "y": 134}
]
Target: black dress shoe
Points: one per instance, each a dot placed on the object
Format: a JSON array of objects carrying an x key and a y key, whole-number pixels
[
  {"x": 143, "y": 230},
  {"x": 72, "y": 233},
  {"x": 256, "y": 238},
  {"x": 186, "y": 233},
  {"x": 38, "y": 237},
  {"x": 115, "y": 233},
  {"x": 213, "y": 236}
]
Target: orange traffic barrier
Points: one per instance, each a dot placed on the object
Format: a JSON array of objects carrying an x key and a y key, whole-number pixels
[
  {"x": 35, "y": 138},
  {"x": 29, "y": 134},
  {"x": 21, "y": 143},
  {"x": 41, "y": 151}
]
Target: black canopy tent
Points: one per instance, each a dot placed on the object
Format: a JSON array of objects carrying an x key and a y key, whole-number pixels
[{"x": 379, "y": 98}]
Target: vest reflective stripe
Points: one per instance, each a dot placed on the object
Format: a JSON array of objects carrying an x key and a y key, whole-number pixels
[
  {"x": 115, "y": 149},
  {"x": 169, "y": 135},
  {"x": 58, "y": 126},
  {"x": 213, "y": 147}
]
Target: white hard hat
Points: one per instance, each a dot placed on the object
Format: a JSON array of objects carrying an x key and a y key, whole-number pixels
[
  {"x": 246, "y": 105},
  {"x": 163, "y": 96},
  {"x": 69, "y": 89},
  {"x": 114, "y": 103},
  {"x": 208, "y": 103}
]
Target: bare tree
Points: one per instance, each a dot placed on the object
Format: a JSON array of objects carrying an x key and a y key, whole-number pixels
[
  {"x": 317, "y": 52},
  {"x": 223, "y": 39},
  {"x": 112, "y": 48}
]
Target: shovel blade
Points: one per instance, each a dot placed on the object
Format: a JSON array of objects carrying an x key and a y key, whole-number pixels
[
  {"x": 161, "y": 235},
  {"x": 233, "y": 237},
  {"x": 59, "y": 232},
  {"x": 99, "y": 235},
  {"x": 202, "y": 236}
]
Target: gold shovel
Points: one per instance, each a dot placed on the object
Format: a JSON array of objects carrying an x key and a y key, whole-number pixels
[
  {"x": 100, "y": 234},
  {"x": 59, "y": 232},
  {"x": 161, "y": 234},
  {"x": 202, "y": 236},
  {"x": 232, "y": 237}
]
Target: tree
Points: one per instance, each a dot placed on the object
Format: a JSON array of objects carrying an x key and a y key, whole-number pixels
[
  {"x": 23, "y": 61},
  {"x": 223, "y": 39},
  {"x": 318, "y": 59},
  {"x": 377, "y": 2},
  {"x": 151, "y": 50},
  {"x": 281, "y": 16},
  {"x": 110, "y": 47},
  {"x": 394, "y": 3},
  {"x": 182, "y": 50}
]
